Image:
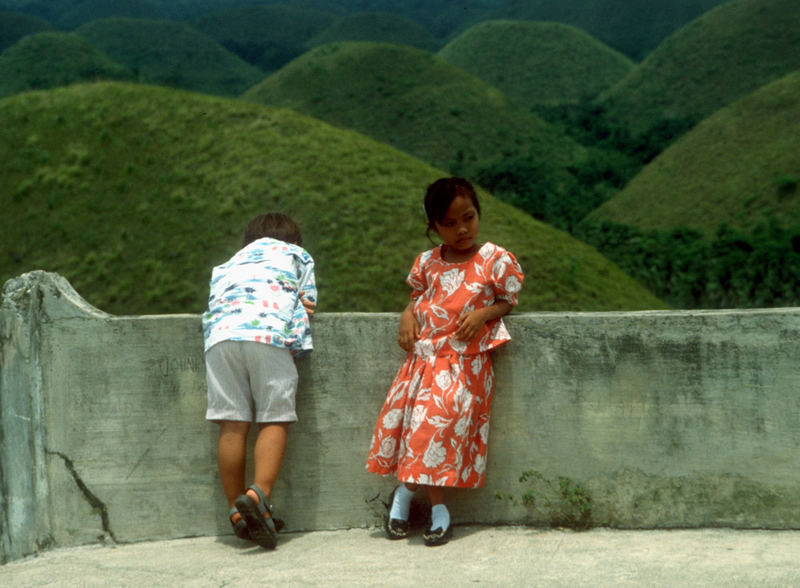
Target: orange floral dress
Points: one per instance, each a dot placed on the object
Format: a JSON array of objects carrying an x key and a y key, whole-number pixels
[{"x": 433, "y": 428}]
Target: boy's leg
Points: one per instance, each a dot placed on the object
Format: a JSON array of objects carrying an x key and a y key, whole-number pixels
[
  {"x": 232, "y": 457},
  {"x": 268, "y": 456}
]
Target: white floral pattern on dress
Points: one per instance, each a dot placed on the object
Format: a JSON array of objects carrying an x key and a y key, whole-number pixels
[{"x": 445, "y": 386}]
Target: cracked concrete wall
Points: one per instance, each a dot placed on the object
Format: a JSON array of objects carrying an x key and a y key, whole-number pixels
[{"x": 660, "y": 419}]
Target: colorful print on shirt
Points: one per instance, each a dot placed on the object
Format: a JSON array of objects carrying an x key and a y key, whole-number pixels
[{"x": 254, "y": 296}]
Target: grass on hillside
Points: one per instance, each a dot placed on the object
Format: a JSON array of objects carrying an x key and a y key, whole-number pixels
[
  {"x": 537, "y": 63},
  {"x": 739, "y": 167},
  {"x": 133, "y": 193},
  {"x": 441, "y": 114},
  {"x": 721, "y": 56},
  {"x": 172, "y": 54},
  {"x": 419, "y": 103},
  {"x": 46, "y": 60}
]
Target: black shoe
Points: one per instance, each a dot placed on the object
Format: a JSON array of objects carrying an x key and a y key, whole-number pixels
[
  {"x": 438, "y": 537},
  {"x": 395, "y": 528}
]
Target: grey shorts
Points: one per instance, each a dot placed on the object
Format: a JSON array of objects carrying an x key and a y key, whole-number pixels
[{"x": 250, "y": 381}]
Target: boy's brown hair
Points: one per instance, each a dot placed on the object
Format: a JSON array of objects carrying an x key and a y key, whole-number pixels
[{"x": 275, "y": 225}]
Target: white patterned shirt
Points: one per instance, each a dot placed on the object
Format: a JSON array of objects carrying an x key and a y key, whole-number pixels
[{"x": 255, "y": 296}]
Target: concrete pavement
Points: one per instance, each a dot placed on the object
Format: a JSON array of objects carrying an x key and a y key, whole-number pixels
[{"x": 491, "y": 556}]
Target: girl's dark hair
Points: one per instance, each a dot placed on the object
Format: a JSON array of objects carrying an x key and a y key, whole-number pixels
[
  {"x": 440, "y": 195},
  {"x": 272, "y": 224}
]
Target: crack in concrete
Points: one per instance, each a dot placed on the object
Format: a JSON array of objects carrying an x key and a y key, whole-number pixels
[{"x": 91, "y": 498}]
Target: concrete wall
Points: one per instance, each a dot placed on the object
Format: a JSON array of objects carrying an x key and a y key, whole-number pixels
[{"x": 660, "y": 419}]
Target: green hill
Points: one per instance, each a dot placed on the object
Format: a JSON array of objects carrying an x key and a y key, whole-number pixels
[
  {"x": 14, "y": 26},
  {"x": 721, "y": 56},
  {"x": 46, "y": 60},
  {"x": 738, "y": 167},
  {"x": 266, "y": 36},
  {"x": 423, "y": 105},
  {"x": 171, "y": 54},
  {"x": 379, "y": 27},
  {"x": 537, "y": 63},
  {"x": 713, "y": 221},
  {"x": 634, "y": 27},
  {"x": 133, "y": 192}
]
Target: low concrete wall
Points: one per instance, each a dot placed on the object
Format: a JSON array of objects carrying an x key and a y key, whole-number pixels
[{"x": 652, "y": 419}]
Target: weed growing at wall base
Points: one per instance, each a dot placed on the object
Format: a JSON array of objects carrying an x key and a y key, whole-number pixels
[{"x": 561, "y": 503}]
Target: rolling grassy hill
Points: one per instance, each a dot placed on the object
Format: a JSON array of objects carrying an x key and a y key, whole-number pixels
[
  {"x": 721, "y": 56},
  {"x": 739, "y": 167},
  {"x": 416, "y": 102},
  {"x": 133, "y": 192},
  {"x": 266, "y": 36},
  {"x": 46, "y": 60},
  {"x": 171, "y": 54},
  {"x": 14, "y": 26},
  {"x": 381, "y": 27},
  {"x": 634, "y": 27},
  {"x": 537, "y": 63}
]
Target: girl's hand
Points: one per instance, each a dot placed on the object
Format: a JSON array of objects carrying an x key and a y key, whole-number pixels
[
  {"x": 469, "y": 325},
  {"x": 408, "y": 333},
  {"x": 307, "y": 304}
]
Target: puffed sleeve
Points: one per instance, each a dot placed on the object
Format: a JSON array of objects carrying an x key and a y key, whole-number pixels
[
  {"x": 506, "y": 277},
  {"x": 417, "y": 278}
]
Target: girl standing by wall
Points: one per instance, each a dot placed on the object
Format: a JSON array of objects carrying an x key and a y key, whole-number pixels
[{"x": 433, "y": 429}]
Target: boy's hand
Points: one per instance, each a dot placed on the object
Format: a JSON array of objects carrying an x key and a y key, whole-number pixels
[{"x": 307, "y": 304}]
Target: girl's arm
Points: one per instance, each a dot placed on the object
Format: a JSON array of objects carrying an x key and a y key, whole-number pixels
[
  {"x": 470, "y": 323},
  {"x": 408, "y": 333}
]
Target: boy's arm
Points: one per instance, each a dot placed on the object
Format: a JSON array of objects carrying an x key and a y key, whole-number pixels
[
  {"x": 308, "y": 288},
  {"x": 307, "y": 304}
]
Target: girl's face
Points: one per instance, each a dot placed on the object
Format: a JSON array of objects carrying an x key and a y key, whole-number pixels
[{"x": 459, "y": 226}]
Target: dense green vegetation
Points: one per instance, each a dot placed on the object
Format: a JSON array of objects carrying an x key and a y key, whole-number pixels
[
  {"x": 376, "y": 26},
  {"x": 46, "y": 60},
  {"x": 739, "y": 167},
  {"x": 14, "y": 26},
  {"x": 732, "y": 269},
  {"x": 171, "y": 54},
  {"x": 265, "y": 36},
  {"x": 133, "y": 192},
  {"x": 634, "y": 27},
  {"x": 719, "y": 57},
  {"x": 537, "y": 63},
  {"x": 441, "y": 17},
  {"x": 88, "y": 10}
]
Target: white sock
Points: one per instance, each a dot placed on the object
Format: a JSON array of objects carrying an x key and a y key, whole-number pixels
[
  {"x": 440, "y": 517},
  {"x": 401, "y": 503}
]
